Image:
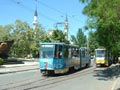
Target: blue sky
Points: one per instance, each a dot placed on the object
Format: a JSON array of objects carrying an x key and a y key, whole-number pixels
[{"x": 49, "y": 13}]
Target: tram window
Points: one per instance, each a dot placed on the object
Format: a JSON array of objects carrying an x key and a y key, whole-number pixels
[
  {"x": 100, "y": 53},
  {"x": 75, "y": 52},
  {"x": 83, "y": 53},
  {"x": 86, "y": 53},
  {"x": 47, "y": 54},
  {"x": 70, "y": 53},
  {"x": 58, "y": 51},
  {"x": 65, "y": 51}
]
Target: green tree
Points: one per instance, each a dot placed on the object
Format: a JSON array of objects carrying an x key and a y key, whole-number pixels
[
  {"x": 104, "y": 16},
  {"x": 58, "y": 36},
  {"x": 93, "y": 43},
  {"x": 80, "y": 39},
  {"x": 21, "y": 42},
  {"x": 39, "y": 36},
  {"x": 6, "y": 32},
  {"x": 26, "y": 39},
  {"x": 1, "y": 33}
]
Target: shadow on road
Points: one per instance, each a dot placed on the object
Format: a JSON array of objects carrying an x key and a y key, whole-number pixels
[{"x": 108, "y": 73}]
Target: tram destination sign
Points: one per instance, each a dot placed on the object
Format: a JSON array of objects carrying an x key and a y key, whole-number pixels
[{"x": 47, "y": 46}]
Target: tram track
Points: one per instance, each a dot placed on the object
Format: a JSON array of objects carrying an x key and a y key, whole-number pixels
[
  {"x": 45, "y": 82},
  {"x": 64, "y": 78},
  {"x": 21, "y": 83}
]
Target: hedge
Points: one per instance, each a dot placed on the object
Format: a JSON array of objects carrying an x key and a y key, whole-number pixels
[{"x": 1, "y": 61}]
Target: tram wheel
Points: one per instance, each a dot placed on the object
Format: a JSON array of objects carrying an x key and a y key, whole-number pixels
[
  {"x": 51, "y": 72},
  {"x": 71, "y": 70}
]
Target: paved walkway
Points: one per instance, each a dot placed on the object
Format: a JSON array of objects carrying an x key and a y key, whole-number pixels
[
  {"x": 4, "y": 69},
  {"x": 117, "y": 84},
  {"x": 116, "y": 71}
]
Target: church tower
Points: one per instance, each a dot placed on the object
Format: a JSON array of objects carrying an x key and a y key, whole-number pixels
[
  {"x": 35, "y": 21},
  {"x": 66, "y": 28}
]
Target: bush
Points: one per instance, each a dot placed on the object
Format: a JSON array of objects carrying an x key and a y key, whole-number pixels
[{"x": 1, "y": 61}]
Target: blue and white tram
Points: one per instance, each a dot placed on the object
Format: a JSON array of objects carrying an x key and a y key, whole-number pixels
[{"x": 60, "y": 58}]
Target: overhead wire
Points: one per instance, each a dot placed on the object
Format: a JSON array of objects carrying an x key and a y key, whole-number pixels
[
  {"x": 42, "y": 15},
  {"x": 40, "y": 2},
  {"x": 45, "y": 5},
  {"x": 32, "y": 10},
  {"x": 56, "y": 10}
]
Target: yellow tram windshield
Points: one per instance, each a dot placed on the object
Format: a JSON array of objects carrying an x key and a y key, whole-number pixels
[{"x": 100, "y": 52}]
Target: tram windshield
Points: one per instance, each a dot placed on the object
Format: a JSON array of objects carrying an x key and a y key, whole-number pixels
[
  {"x": 47, "y": 51},
  {"x": 100, "y": 53},
  {"x": 51, "y": 51}
]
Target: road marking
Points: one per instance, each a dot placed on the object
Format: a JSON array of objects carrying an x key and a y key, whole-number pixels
[{"x": 114, "y": 84}]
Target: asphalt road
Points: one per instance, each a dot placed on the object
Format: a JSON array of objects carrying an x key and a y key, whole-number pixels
[
  {"x": 18, "y": 77},
  {"x": 91, "y": 78},
  {"x": 86, "y": 79}
]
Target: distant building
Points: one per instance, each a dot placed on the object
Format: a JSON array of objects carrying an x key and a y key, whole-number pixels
[{"x": 50, "y": 32}]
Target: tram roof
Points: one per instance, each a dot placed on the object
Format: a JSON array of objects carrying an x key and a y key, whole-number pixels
[
  {"x": 100, "y": 49},
  {"x": 53, "y": 43}
]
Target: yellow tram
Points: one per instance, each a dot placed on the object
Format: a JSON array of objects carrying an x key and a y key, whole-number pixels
[{"x": 102, "y": 57}]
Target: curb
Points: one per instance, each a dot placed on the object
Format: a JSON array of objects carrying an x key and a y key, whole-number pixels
[
  {"x": 19, "y": 66},
  {"x": 117, "y": 86},
  {"x": 18, "y": 71}
]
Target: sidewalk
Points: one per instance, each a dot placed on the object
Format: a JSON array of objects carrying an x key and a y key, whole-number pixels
[
  {"x": 12, "y": 68},
  {"x": 117, "y": 84}
]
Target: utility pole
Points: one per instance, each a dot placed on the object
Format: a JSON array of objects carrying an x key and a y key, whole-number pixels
[
  {"x": 57, "y": 24},
  {"x": 65, "y": 23}
]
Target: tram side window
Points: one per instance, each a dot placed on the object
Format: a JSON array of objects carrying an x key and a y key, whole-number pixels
[
  {"x": 70, "y": 52},
  {"x": 75, "y": 52},
  {"x": 58, "y": 51},
  {"x": 66, "y": 52},
  {"x": 83, "y": 53},
  {"x": 86, "y": 52}
]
